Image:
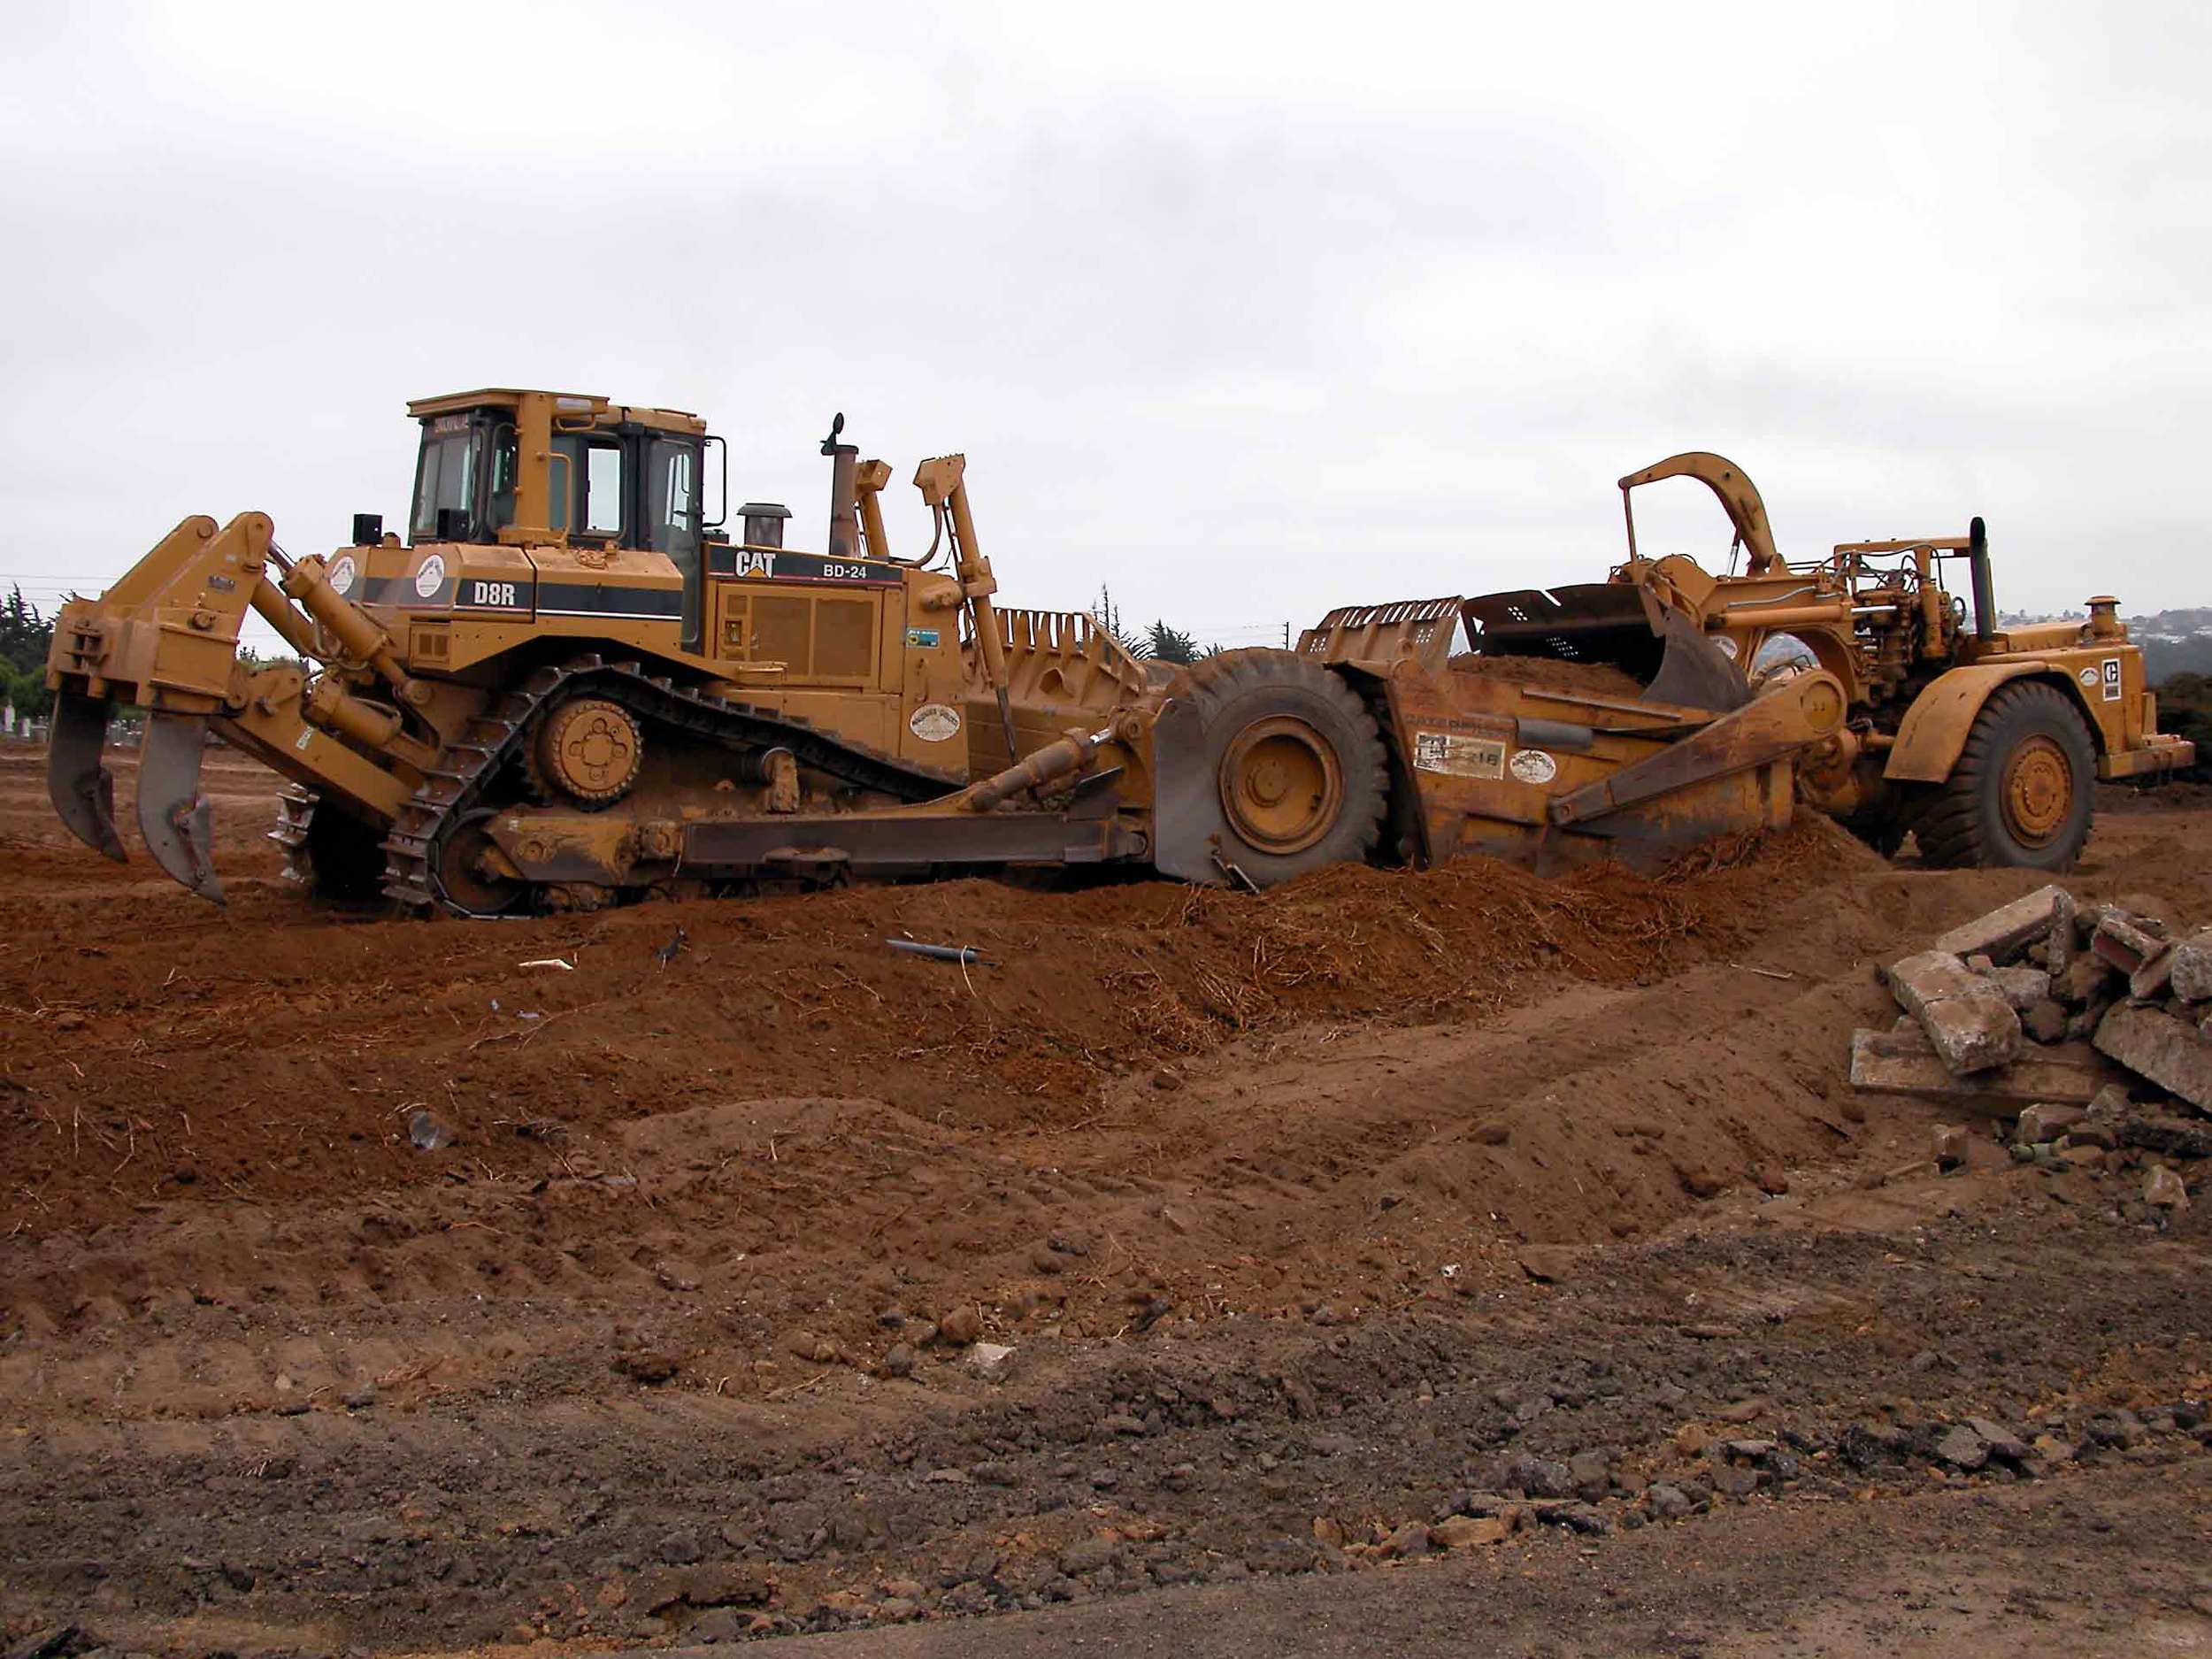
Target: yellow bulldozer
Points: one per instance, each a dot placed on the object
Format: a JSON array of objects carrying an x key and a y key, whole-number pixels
[{"x": 566, "y": 686}]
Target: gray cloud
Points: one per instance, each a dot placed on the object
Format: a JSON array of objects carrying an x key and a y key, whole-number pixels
[{"x": 1247, "y": 311}]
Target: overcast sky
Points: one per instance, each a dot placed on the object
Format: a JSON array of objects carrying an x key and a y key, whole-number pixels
[{"x": 1246, "y": 310}]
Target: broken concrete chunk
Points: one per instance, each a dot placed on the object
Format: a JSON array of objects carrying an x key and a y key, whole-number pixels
[
  {"x": 2124, "y": 942},
  {"x": 2023, "y": 988},
  {"x": 2153, "y": 1044},
  {"x": 2085, "y": 979},
  {"x": 1966, "y": 1016},
  {"x": 1948, "y": 1145},
  {"x": 2148, "y": 981},
  {"x": 2044, "y": 1020},
  {"x": 2191, "y": 967},
  {"x": 2005, "y": 932},
  {"x": 2162, "y": 1189},
  {"x": 2047, "y": 1120},
  {"x": 1904, "y": 1062}
]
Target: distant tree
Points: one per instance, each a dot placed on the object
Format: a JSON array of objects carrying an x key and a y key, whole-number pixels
[
  {"x": 1109, "y": 616},
  {"x": 1169, "y": 645},
  {"x": 25, "y": 637}
]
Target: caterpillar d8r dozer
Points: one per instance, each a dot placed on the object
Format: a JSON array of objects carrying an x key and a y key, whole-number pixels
[
  {"x": 567, "y": 687},
  {"x": 1982, "y": 740}
]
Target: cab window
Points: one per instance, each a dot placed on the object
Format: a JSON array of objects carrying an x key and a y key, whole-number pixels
[
  {"x": 602, "y": 490},
  {"x": 672, "y": 499},
  {"x": 445, "y": 479}
]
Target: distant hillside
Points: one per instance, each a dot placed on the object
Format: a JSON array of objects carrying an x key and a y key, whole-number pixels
[
  {"x": 2173, "y": 641},
  {"x": 2185, "y": 705}
]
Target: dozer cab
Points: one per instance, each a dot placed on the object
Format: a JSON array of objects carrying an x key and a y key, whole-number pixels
[
  {"x": 1983, "y": 741},
  {"x": 567, "y": 686}
]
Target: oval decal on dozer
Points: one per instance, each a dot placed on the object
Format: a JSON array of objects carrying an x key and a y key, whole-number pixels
[
  {"x": 934, "y": 722},
  {"x": 1533, "y": 765}
]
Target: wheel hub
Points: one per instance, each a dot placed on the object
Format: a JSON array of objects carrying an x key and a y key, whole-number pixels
[
  {"x": 2038, "y": 793},
  {"x": 1281, "y": 785},
  {"x": 590, "y": 749}
]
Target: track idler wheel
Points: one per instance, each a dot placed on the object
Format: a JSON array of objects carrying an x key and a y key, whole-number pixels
[
  {"x": 588, "y": 749},
  {"x": 468, "y": 868}
]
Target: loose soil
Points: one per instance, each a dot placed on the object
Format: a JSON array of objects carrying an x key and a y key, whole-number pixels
[{"x": 1307, "y": 1206}]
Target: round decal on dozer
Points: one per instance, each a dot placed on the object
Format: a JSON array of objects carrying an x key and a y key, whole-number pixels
[
  {"x": 431, "y": 577},
  {"x": 1533, "y": 765},
  {"x": 341, "y": 575},
  {"x": 934, "y": 722}
]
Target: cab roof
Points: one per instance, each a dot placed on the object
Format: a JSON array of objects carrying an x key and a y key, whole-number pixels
[{"x": 570, "y": 409}]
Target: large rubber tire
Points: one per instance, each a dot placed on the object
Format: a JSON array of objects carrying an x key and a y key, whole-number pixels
[
  {"x": 2020, "y": 793},
  {"x": 1300, "y": 779}
]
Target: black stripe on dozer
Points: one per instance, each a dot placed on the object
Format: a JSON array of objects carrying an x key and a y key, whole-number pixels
[
  {"x": 455, "y": 786},
  {"x": 593, "y": 599}
]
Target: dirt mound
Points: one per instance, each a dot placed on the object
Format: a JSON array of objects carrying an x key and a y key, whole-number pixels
[
  {"x": 1552, "y": 673},
  {"x": 166, "y": 1053}
]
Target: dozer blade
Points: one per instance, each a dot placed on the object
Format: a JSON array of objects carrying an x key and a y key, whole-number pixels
[
  {"x": 172, "y": 816},
  {"x": 77, "y": 779}
]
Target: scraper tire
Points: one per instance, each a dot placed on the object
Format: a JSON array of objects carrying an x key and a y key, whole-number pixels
[
  {"x": 1301, "y": 778},
  {"x": 2020, "y": 791}
]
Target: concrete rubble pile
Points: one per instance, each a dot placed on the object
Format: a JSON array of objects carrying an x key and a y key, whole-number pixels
[{"x": 2089, "y": 1025}]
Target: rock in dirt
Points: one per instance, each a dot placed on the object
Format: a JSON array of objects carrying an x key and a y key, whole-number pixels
[
  {"x": 1946, "y": 1145},
  {"x": 1537, "y": 1477},
  {"x": 1668, "y": 1502},
  {"x": 961, "y": 1326},
  {"x": 1961, "y": 1448},
  {"x": 2153, "y": 1044},
  {"x": 1547, "y": 1264},
  {"x": 1468, "y": 1532},
  {"x": 1576, "y": 1516},
  {"x": 1410, "y": 1540},
  {"x": 2174, "y": 1137},
  {"x": 2003, "y": 1444},
  {"x": 1967, "y": 1019},
  {"x": 899, "y": 1361},
  {"x": 1733, "y": 1480},
  {"x": 2047, "y": 1120},
  {"x": 646, "y": 1364},
  {"x": 1592, "y": 1473},
  {"x": 2162, "y": 1189},
  {"x": 2010, "y": 929},
  {"x": 1088, "y": 1554},
  {"x": 991, "y": 1360}
]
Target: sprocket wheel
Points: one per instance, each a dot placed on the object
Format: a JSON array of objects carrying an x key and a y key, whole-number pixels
[{"x": 588, "y": 750}]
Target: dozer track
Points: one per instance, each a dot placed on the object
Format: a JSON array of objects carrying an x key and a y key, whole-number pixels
[{"x": 455, "y": 784}]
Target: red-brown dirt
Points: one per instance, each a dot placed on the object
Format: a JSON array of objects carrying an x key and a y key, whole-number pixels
[{"x": 684, "y": 1212}]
